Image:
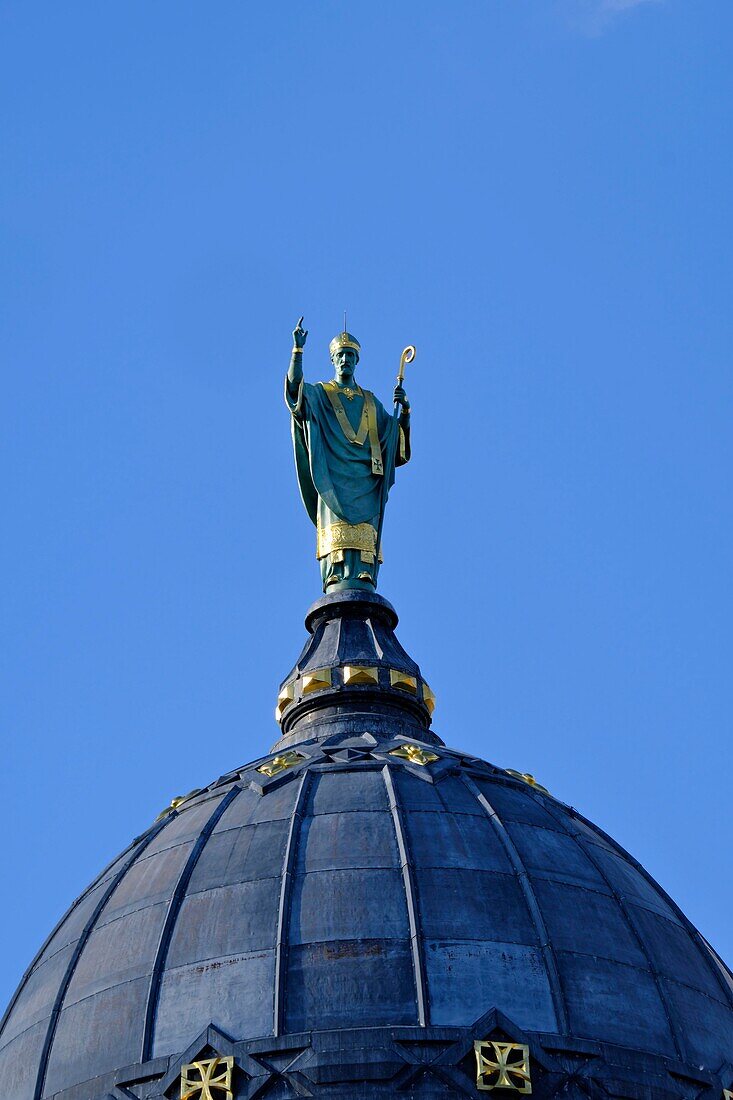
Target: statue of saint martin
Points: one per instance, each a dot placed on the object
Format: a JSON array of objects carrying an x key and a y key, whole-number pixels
[{"x": 346, "y": 444}]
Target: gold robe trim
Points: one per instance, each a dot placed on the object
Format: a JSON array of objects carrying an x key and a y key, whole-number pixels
[
  {"x": 338, "y": 537},
  {"x": 367, "y": 424}
]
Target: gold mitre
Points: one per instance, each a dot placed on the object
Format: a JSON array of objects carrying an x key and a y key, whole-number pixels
[{"x": 343, "y": 340}]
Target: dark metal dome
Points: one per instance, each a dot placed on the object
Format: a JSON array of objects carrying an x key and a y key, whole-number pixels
[{"x": 349, "y": 915}]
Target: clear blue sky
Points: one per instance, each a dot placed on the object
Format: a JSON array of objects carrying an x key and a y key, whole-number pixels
[{"x": 538, "y": 195}]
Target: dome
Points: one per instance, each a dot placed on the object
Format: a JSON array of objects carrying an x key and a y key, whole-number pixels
[{"x": 354, "y": 913}]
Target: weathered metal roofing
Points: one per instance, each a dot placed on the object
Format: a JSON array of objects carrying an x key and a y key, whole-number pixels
[{"x": 351, "y": 923}]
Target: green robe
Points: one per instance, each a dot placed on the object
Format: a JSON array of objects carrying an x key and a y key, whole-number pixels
[
  {"x": 332, "y": 470},
  {"x": 334, "y": 475}
]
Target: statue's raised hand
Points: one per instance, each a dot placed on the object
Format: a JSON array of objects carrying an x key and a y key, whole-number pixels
[{"x": 300, "y": 335}]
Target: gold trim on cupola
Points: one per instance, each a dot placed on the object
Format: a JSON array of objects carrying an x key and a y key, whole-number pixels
[
  {"x": 284, "y": 699},
  {"x": 428, "y": 697},
  {"x": 403, "y": 681},
  {"x": 360, "y": 674},
  {"x": 316, "y": 680}
]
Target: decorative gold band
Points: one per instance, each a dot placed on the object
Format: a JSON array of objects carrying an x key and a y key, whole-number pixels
[
  {"x": 338, "y": 537},
  {"x": 367, "y": 425},
  {"x": 343, "y": 340},
  {"x": 297, "y": 351}
]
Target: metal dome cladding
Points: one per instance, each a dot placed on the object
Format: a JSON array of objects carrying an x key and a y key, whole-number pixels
[
  {"x": 347, "y": 918},
  {"x": 359, "y": 890}
]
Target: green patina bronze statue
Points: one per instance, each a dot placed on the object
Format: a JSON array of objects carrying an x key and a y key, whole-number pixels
[{"x": 346, "y": 449}]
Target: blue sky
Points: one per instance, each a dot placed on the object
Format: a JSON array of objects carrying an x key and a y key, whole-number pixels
[{"x": 538, "y": 196}]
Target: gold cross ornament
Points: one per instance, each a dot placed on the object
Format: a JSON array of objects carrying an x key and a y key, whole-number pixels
[
  {"x": 280, "y": 764},
  {"x": 528, "y": 778},
  {"x": 208, "y": 1080},
  {"x": 502, "y": 1066},
  {"x": 415, "y": 754}
]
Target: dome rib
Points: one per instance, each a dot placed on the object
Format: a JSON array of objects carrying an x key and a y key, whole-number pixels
[
  {"x": 698, "y": 940},
  {"x": 57, "y": 928},
  {"x": 408, "y": 880},
  {"x": 77, "y": 952},
  {"x": 548, "y": 953},
  {"x": 170, "y": 921},
  {"x": 632, "y": 925},
  {"x": 284, "y": 904}
]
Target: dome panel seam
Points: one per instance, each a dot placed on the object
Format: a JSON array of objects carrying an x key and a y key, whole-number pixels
[
  {"x": 525, "y": 885},
  {"x": 408, "y": 881},
  {"x": 76, "y": 955},
  {"x": 174, "y": 907},
  {"x": 98, "y": 881},
  {"x": 284, "y": 903},
  {"x": 686, "y": 923},
  {"x": 631, "y": 923}
]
